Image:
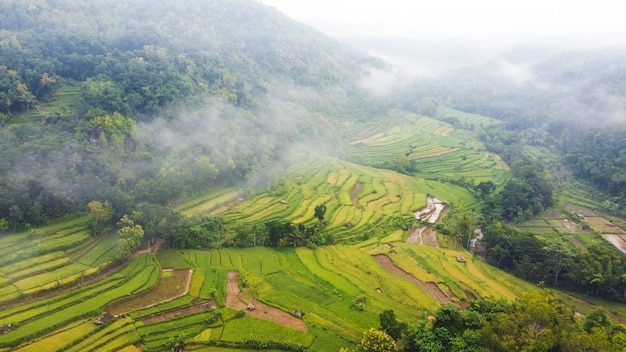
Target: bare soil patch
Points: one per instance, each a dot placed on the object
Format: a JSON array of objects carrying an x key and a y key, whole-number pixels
[
  {"x": 167, "y": 289},
  {"x": 151, "y": 248},
  {"x": 355, "y": 195},
  {"x": 416, "y": 235},
  {"x": 603, "y": 225},
  {"x": 261, "y": 310},
  {"x": 430, "y": 238},
  {"x": 429, "y": 287},
  {"x": 617, "y": 241},
  {"x": 178, "y": 313}
]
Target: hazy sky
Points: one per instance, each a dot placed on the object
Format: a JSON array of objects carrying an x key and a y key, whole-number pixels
[{"x": 437, "y": 18}]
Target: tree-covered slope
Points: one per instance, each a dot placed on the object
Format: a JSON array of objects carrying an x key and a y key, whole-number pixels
[{"x": 146, "y": 101}]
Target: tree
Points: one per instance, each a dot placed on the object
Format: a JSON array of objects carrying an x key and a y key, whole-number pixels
[
  {"x": 320, "y": 212},
  {"x": 278, "y": 232},
  {"x": 390, "y": 325},
  {"x": 25, "y": 96},
  {"x": 421, "y": 337},
  {"x": 131, "y": 236},
  {"x": 531, "y": 324},
  {"x": 4, "y": 224},
  {"x": 377, "y": 341},
  {"x": 16, "y": 217},
  {"x": 448, "y": 316},
  {"x": 100, "y": 214},
  {"x": 44, "y": 82},
  {"x": 485, "y": 188},
  {"x": 559, "y": 253},
  {"x": 177, "y": 343},
  {"x": 465, "y": 226}
]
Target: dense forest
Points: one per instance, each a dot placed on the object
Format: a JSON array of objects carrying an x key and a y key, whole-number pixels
[{"x": 569, "y": 101}]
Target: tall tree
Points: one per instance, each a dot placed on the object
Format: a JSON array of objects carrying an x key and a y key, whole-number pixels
[
  {"x": 131, "y": 236},
  {"x": 320, "y": 212},
  {"x": 377, "y": 341},
  {"x": 100, "y": 214},
  {"x": 390, "y": 325}
]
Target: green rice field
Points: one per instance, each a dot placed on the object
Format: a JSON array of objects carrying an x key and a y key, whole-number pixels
[{"x": 56, "y": 281}]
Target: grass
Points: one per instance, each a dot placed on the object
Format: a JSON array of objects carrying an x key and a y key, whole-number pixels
[
  {"x": 102, "y": 334},
  {"x": 166, "y": 288},
  {"x": 172, "y": 259},
  {"x": 249, "y": 327},
  {"x": 60, "y": 340}
]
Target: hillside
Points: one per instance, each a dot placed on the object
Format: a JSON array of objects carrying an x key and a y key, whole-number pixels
[
  {"x": 212, "y": 175},
  {"x": 256, "y": 83}
]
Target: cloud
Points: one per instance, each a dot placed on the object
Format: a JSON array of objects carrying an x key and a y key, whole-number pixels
[
  {"x": 383, "y": 82},
  {"x": 520, "y": 75}
]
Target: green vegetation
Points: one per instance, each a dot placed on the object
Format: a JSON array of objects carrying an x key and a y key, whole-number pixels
[
  {"x": 428, "y": 148},
  {"x": 178, "y": 163}
]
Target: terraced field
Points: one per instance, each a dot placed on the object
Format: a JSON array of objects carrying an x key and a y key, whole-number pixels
[
  {"x": 51, "y": 258},
  {"x": 50, "y": 296},
  {"x": 340, "y": 289},
  {"x": 361, "y": 201},
  {"x": 432, "y": 148},
  {"x": 57, "y": 310}
]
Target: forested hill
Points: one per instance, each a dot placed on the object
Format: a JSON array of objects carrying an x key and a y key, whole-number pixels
[
  {"x": 530, "y": 85},
  {"x": 172, "y": 49},
  {"x": 569, "y": 101},
  {"x": 147, "y": 101}
]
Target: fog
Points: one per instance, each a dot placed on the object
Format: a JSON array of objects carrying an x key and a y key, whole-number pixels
[{"x": 456, "y": 18}]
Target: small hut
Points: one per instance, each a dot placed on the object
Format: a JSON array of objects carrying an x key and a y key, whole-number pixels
[
  {"x": 104, "y": 318},
  {"x": 5, "y": 328},
  {"x": 297, "y": 313}
]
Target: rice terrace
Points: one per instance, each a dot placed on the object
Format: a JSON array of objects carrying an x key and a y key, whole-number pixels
[
  {"x": 318, "y": 299},
  {"x": 216, "y": 176}
]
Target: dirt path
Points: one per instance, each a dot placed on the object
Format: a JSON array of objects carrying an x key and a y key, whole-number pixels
[
  {"x": 613, "y": 316},
  {"x": 355, "y": 194},
  {"x": 262, "y": 310},
  {"x": 151, "y": 249},
  {"x": 429, "y": 287}
]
